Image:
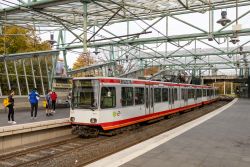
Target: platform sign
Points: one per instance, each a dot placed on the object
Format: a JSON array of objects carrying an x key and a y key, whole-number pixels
[{"x": 60, "y": 68}]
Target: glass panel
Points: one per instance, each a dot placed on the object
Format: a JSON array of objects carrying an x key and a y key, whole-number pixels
[
  {"x": 157, "y": 95},
  {"x": 195, "y": 93},
  {"x": 139, "y": 96},
  {"x": 151, "y": 97},
  {"x": 204, "y": 92},
  {"x": 147, "y": 98},
  {"x": 190, "y": 93},
  {"x": 165, "y": 94},
  {"x": 199, "y": 94},
  {"x": 182, "y": 94},
  {"x": 85, "y": 94},
  {"x": 127, "y": 96},
  {"x": 108, "y": 97},
  {"x": 175, "y": 94},
  {"x": 170, "y": 96}
]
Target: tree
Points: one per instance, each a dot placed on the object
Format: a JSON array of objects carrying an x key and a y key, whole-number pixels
[
  {"x": 151, "y": 70},
  {"x": 83, "y": 60},
  {"x": 19, "y": 40}
]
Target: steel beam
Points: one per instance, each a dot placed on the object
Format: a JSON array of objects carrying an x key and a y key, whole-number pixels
[
  {"x": 28, "y": 55},
  {"x": 103, "y": 65},
  {"x": 85, "y": 18},
  {"x": 25, "y": 76},
  {"x": 41, "y": 75},
  {"x": 184, "y": 37},
  {"x": 7, "y": 74},
  {"x": 33, "y": 73},
  {"x": 17, "y": 79}
]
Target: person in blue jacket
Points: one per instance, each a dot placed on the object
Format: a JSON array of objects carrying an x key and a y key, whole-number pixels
[{"x": 34, "y": 98}]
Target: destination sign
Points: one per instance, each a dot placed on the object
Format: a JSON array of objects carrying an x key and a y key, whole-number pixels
[{"x": 126, "y": 82}]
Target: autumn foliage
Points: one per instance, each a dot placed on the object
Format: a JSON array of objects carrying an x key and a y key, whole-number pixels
[
  {"x": 19, "y": 40},
  {"x": 83, "y": 60},
  {"x": 151, "y": 70}
]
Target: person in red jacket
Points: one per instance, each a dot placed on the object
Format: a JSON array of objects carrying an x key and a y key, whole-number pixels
[{"x": 53, "y": 97}]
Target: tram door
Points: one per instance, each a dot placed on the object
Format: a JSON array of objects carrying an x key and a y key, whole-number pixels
[
  {"x": 171, "y": 98},
  {"x": 195, "y": 95},
  {"x": 185, "y": 96},
  {"x": 149, "y": 100}
]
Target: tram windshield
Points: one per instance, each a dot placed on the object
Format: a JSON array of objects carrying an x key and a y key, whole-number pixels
[{"x": 85, "y": 94}]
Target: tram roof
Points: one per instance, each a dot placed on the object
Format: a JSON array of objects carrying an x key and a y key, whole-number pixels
[{"x": 140, "y": 81}]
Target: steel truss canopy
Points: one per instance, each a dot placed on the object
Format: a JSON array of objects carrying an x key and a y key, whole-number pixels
[
  {"x": 55, "y": 13},
  {"x": 79, "y": 17},
  {"x": 28, "y": 55}
]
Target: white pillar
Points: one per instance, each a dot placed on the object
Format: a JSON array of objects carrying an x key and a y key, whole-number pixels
[
  {"x": 232, "y": 90},
  {"x": 224, "y": 87}
]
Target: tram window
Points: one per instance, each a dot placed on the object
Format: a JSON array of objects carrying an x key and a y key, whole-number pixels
[
  {"x": 127, "y": 96},
  {"x": 157, "y": 95},
  {"x": 165, "y": 94},
  {"x": 139, "y": 96},
  {"x": 208, "y": 92},
  {"x": 198, "y": 93},
  {"x": 108, "y": 97},
  {"x": 195, "y": 93},
  {"x": 190, "y": 93},
  {"x": 175, "y": 94},
  {"x": 204, "y": 92},
  {"x": 217, "y": 92},
  {"x": 182, "y": 94}
]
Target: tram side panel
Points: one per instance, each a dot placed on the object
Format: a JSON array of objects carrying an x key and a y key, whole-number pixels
[{"x": 126, "y": 110}]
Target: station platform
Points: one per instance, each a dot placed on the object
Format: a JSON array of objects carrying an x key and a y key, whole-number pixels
[
  {"x": 218, "y": 139},
  {"x": 29, "y": 131},
  {"x": 23, "y": 116}
]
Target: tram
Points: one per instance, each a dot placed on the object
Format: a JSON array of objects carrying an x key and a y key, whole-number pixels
[{"x": 104, "y": 104}]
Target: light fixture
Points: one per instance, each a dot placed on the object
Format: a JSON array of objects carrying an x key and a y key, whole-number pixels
[
  {"x": 96, "y": 52},
  {"x": 51, "y": 41},
  {"x": 234, "y": 38},
  {"x": 224, "y": 20},
  {"x": 241, "y": 50}
]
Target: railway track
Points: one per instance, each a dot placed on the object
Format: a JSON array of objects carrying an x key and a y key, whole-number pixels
[
  {"x": 79, "y": 152},
  {"x": 39, "y": 154}
]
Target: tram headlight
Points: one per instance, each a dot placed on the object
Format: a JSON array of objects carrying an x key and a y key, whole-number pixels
[
  {"x": 93, "y": 120},
  {"x": 72, "y": 119}
]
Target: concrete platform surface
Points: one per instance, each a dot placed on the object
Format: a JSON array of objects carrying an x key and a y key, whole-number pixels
[
  {"x": 223, "y": 141},
  {"x": 23, "y": 116}
]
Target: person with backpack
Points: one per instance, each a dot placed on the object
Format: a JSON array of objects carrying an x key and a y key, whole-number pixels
[
  {"x": 53, "y": 98},
  {"x": 11, "y": 108},
  {"x": 34, "y": 98},
  {"x": 48, "y": 103}
]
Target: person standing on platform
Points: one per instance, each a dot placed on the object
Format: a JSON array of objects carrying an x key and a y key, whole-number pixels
[
  {"x": 48, "y": 103},
  {"x": 53, "y": 98},
  {"x": 11, "y": 108},
  {"x": 34, "y": 98}
]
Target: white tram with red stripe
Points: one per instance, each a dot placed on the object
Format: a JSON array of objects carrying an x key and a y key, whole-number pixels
[{"x": 101, "y": 104}]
